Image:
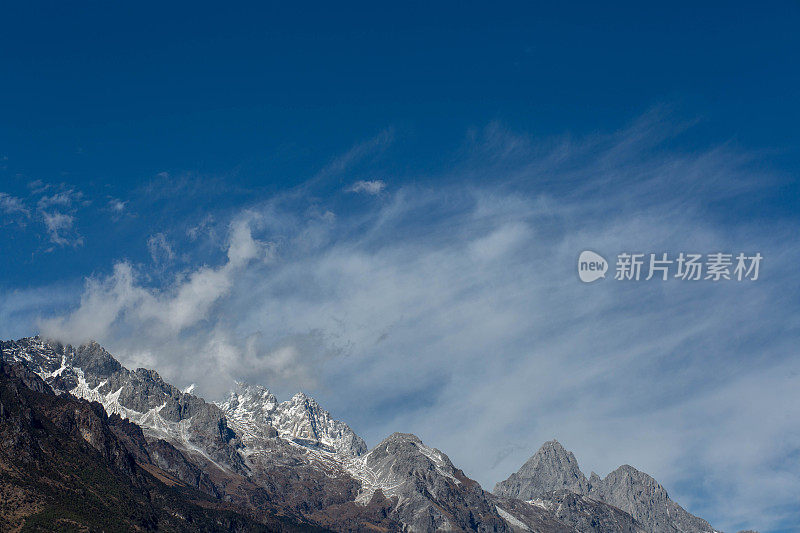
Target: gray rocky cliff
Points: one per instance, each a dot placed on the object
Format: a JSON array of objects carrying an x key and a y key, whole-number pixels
[
  {"x": 553, "y": 469},
  {"x": 646, "y": 500}
]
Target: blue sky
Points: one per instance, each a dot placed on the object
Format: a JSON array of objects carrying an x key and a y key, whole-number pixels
[{"x": 383, "y": 206}]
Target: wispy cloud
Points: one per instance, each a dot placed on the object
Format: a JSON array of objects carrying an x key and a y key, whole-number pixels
[
  {"x": 355, "y": 154},
  {"x": 58, "y": 212},
  {"x": 64, "y": 199},
  {"x": 38, "y": 186},
  {"x": 372, "y": 187},
  {"x": 59, "y": 226},
  {"x": 204, "y": 227},
  {"x": 13, "y": 206},
  {"x": 454, "y": 308},
  {"x": 53, "y": 208},
  {"x": 160, "y": 249},
  {"x": 116, "y": 205}
]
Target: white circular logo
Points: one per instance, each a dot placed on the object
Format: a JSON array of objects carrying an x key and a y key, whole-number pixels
[{"x": 591, "y": 266}]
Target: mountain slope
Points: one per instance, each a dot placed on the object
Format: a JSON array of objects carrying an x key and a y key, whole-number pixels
[
  {"x": 63, "y": 467},
  {"x": 299, "y": 476},
  {"x": 431, "y": 494},
  {"x": 571, "y": 511},
  {"x": 554, "y": 470},
  {"x": 640, "y": 495},
  {"x": 163, "y": 411}
]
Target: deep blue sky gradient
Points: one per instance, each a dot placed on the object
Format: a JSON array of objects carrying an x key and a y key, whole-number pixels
[
  {"x": 120, "y": 92},
  {"x": 104, "y": 96}
]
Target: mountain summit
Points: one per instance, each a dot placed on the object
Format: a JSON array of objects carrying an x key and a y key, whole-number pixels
[
  {"x": 256, "y": 412},
  {"x": 551, "y": 468}
]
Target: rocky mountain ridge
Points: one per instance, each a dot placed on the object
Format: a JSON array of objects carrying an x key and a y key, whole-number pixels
[
  {"x": 65, "y": 465},
  {"x": 294, "y": 458},
  {"x": 553, "y": 468},
  {"x": 256, "y": 413}
]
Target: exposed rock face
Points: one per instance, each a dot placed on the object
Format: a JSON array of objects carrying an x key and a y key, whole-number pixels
[
  {"x": 256, "y": 413},
  {"x": 66, "y": 465},
  {"x": 587, "y": 514},
  {"x": 567, "y": 511},
  {"x": 640, "y": 495},
  {"x": 431, "y": 493},
  {"x": 141, "y": 396},
  {"x": 522, "y": 516},
  {"x": 551, "y": 468}
]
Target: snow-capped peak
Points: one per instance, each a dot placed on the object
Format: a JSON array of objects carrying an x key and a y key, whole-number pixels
[{"x": 256, "y": 413}]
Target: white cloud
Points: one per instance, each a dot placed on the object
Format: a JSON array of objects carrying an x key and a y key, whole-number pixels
[
  {"x": 121, "y": 307},
  {"x": 121, "y": 296},
  {"x": 11, "y": 205},
  {"x": 57, "y": 212},
  {"x": 160, "y": 249},
  {"x": 242, "y": 248},
  {"x": 63, "y": 199},
  {"x": 116, "y": 205},
  {"x": 369, "y": 186},
  {"x": 59, "y": 226}
]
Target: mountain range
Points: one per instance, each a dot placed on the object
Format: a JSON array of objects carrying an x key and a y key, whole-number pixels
[{"x": 89, "y": 445}]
